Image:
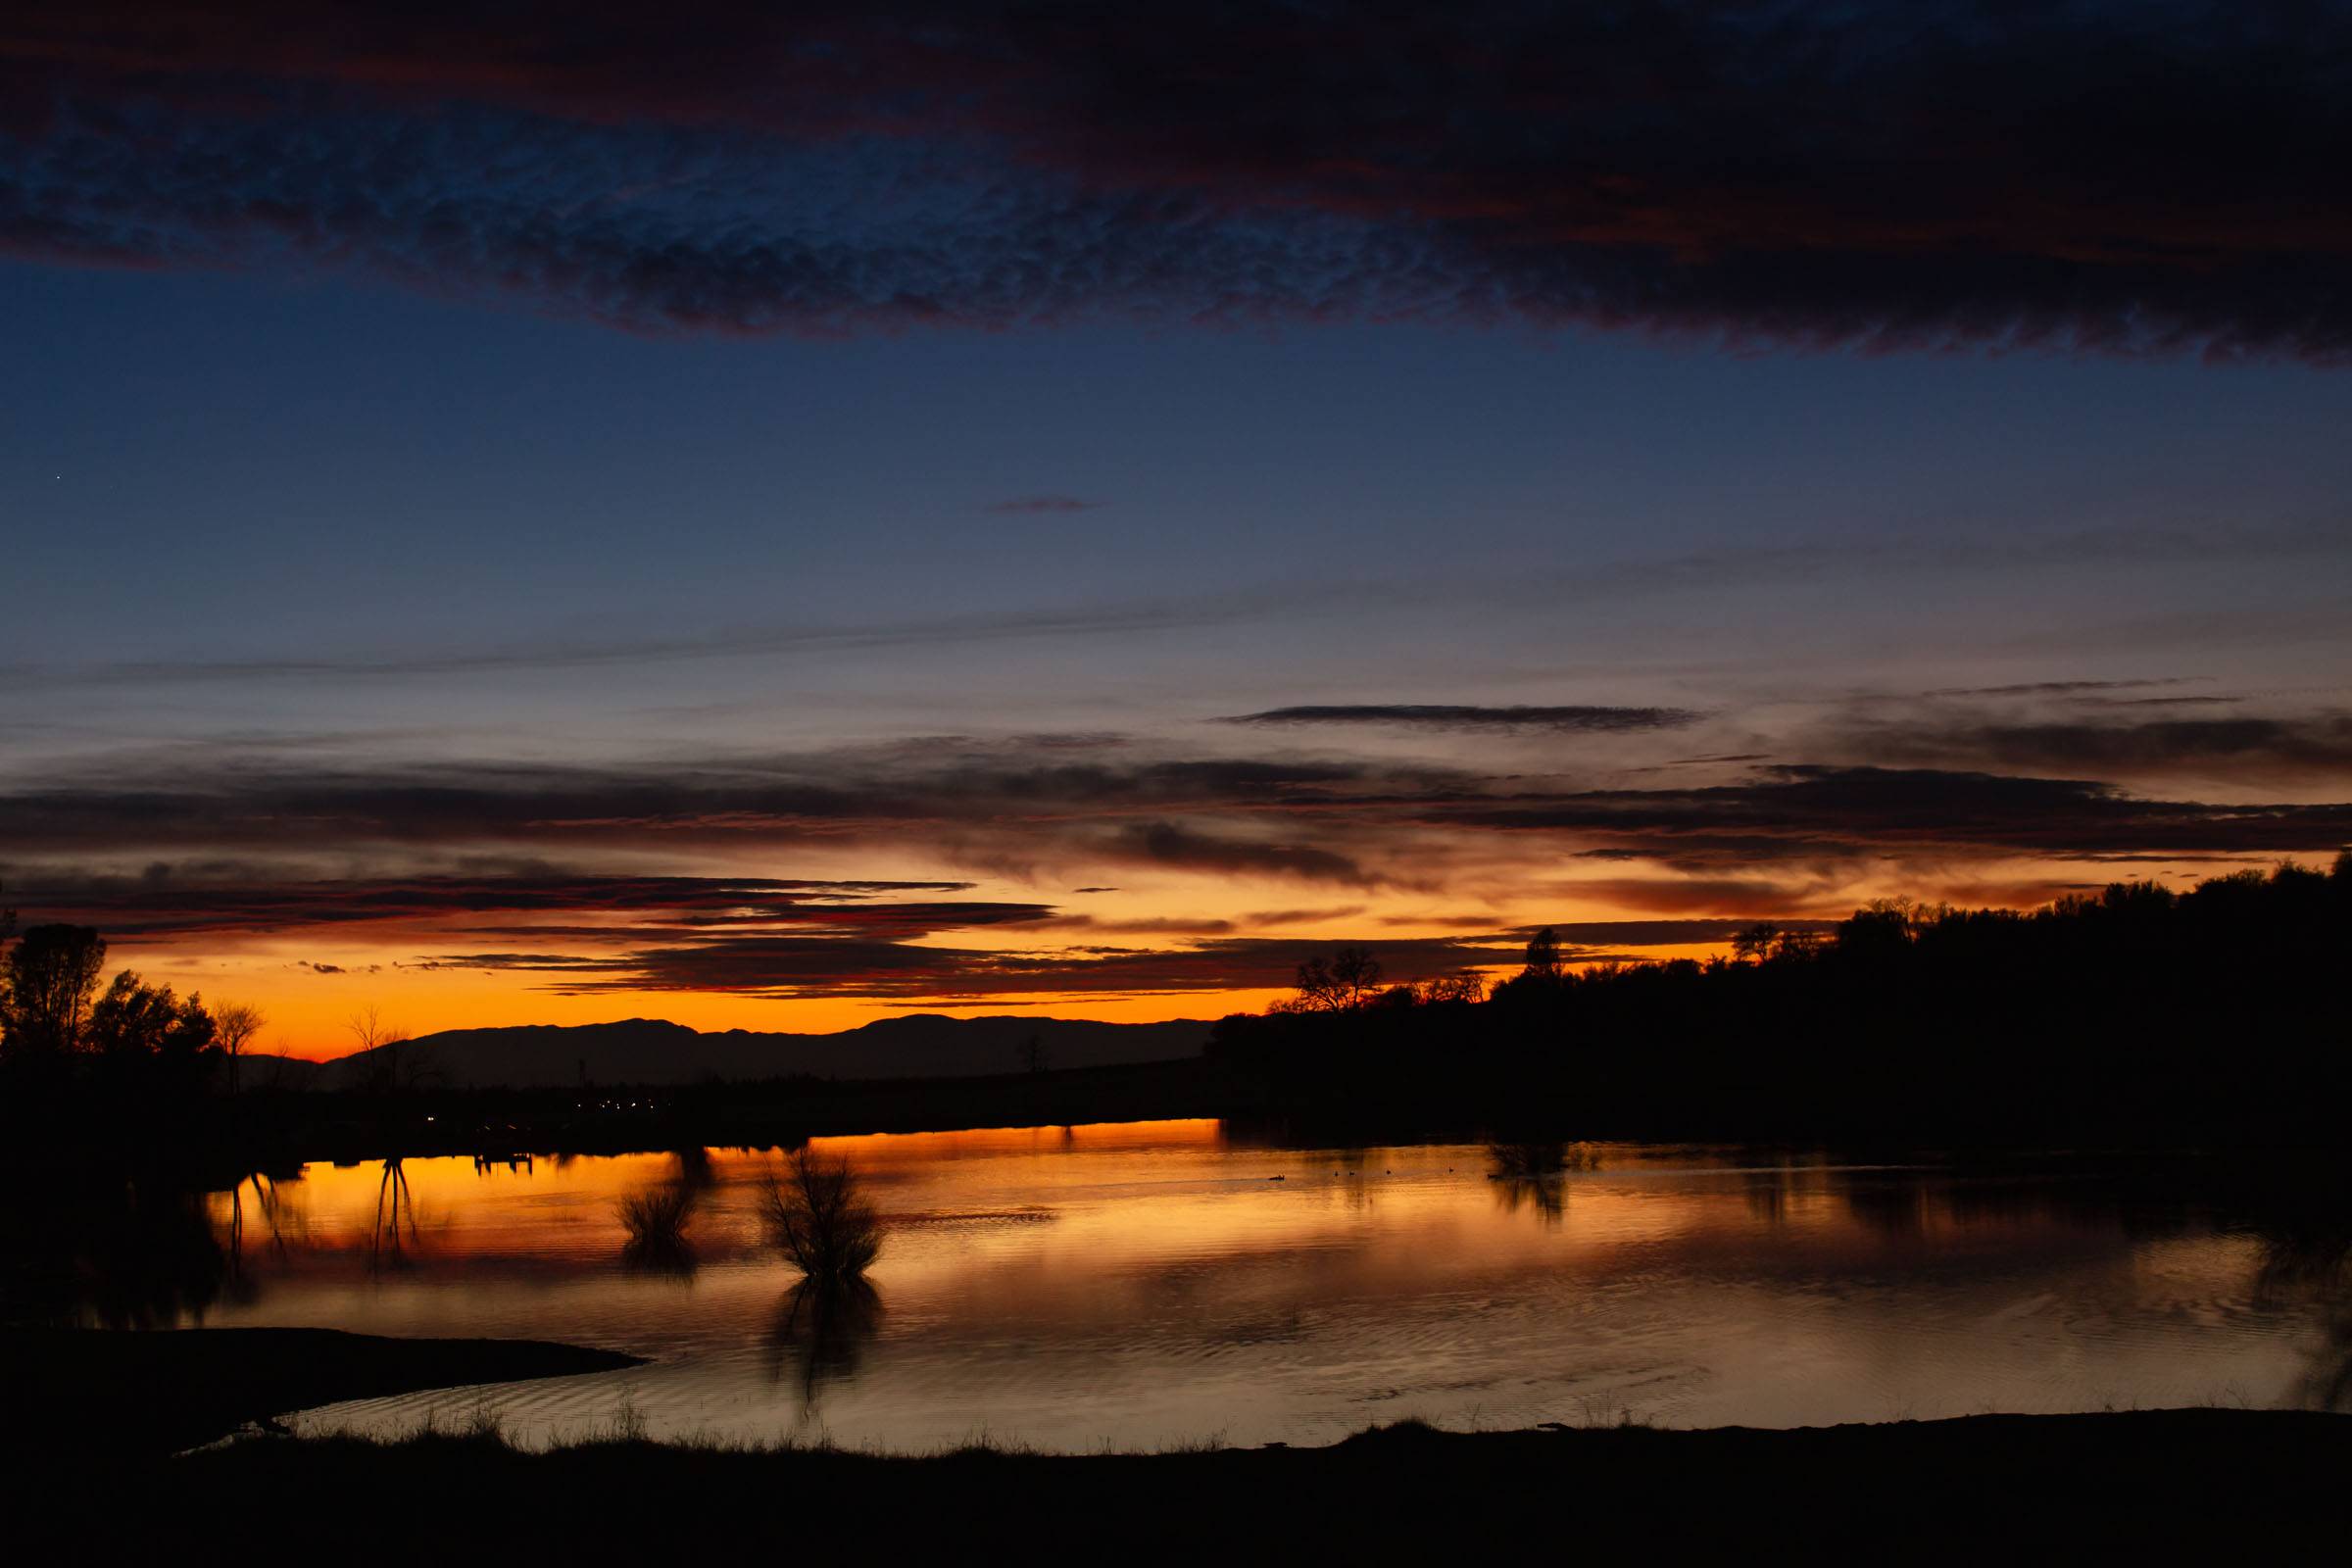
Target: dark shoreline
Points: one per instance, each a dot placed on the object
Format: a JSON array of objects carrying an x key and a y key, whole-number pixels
[
  {"x": 141, "y": 1393},
  {"x": 278, "y": 1135},
  {"x": 96, "y": 1409},
  {"x": 2159, "y": 1483}
]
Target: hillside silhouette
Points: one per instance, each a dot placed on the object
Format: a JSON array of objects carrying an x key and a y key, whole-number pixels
[{"x": 653, "y": 1052}]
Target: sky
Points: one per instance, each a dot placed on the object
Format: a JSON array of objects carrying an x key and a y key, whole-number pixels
[{"x": 566, "y": 512}]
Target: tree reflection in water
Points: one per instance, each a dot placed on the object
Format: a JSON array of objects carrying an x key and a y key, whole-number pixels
[
  {"x": 820, "y": 1332},
  {"x": 1547, "y": 1196},
  {"x": 817, "y": 1217},
  {"x": 2311, "y": 1266},
  {"x": 241, "y": 1287},
  {"x": 2263, "y": 1260},
  {"x": 658, "y": 1216},
  {"x": 116, "y": 1254},
  {"x": 269, "y": 1202},
  {"x": 395, "y": 1217},
  {"x": 1531, "y": 1175}
]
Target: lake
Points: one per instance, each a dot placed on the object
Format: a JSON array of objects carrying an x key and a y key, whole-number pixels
[{"x": 1147, "y": 1285}]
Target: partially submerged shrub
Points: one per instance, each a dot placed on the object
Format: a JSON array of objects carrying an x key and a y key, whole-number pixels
[
  {"x": 818, "y": 1218},
  {"x": 655, "y": 1220}
]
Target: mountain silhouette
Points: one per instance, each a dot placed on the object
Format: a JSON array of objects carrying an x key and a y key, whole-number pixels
[{"x": 650, "y": 1051}]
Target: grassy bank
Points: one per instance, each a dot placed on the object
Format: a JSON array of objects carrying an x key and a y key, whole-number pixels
[{"x": 2162, "y": 1483}]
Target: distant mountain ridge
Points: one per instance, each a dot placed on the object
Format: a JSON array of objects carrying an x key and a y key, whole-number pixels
[{"x": 651, "y": 1051}]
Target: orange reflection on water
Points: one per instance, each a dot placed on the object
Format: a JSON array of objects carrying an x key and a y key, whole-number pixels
[
  {"x": 1146, "y": 1282},
  {"x": 1094, "y": 1138}
]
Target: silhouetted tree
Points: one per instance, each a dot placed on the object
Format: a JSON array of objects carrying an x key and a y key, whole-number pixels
[
  {"x": 2099, "y": 1014},
  {"x": 386, "y": 1070},
  {"x": 1799, "y": 943},
  {"x": 820, "y": 1221},
  {"x": 1350, "y": 978},
  {"x": 1543, "y": 956},
  {"x": 50, "y": 976},
  {"x": 1880, "y": 927},
  {"x": 134, "y": 1021},
  {"x": 234, "y": 1024},
  {"x": 1463, "y": 985}
]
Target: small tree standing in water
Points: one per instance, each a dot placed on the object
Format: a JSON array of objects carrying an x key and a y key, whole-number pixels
[
  {"x": 820, "y": 1221},
  {"x": 655, "y": 1220}
]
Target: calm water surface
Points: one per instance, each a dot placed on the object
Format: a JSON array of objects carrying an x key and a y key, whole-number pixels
[{"x": 1148, "y": 1284}]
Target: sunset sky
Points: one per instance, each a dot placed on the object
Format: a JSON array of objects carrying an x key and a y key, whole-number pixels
[{"x": 660, "y": 511}]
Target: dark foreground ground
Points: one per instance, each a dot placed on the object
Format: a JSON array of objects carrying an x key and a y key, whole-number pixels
[
  {"x": 110, "y": 1397},
  {"x": 2163, "y": 1486}
]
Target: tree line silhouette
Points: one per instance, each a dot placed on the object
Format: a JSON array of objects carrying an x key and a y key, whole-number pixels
[
  {"x": 2136, "y": 1014},
  {"x": 129, "y": 1054}
]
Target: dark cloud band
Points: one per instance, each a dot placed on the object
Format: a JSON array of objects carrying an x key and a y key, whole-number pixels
[
  {"x": 2137, "y": 179},
  {"x": 1442, "y": 715}
]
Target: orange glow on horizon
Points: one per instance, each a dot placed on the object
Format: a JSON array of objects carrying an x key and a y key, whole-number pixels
[{"x": 311, "y": 983}]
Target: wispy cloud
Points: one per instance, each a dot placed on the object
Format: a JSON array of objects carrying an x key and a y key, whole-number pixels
[
  {"x": 1045, "y": 503},
  {"x": 791, "y": 967},
  {"x": 2117, "y": 744},
  {"x": 1447, "y": 715},
  {"x": 2061, "y": 688},
  {"x": 1611, "y": 581},
  {"x": 1813, "y": 812},
  {"x": 1166, "y": 843}
]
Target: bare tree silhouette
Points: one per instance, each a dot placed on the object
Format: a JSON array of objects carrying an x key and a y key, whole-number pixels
[
  {"x": 1348, "y": 979},
  {"x": 385, "y": 1069},
  {"x": 234, "y": 1024}
]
